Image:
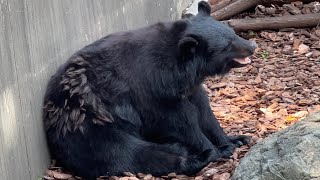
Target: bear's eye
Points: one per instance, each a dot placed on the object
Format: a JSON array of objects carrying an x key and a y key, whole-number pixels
[{"x": 226, "y": 48}]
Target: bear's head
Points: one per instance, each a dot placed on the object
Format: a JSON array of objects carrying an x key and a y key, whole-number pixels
[{"x": 216, "y": 44}]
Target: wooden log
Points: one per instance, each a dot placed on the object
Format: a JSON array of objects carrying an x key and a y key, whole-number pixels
[
  {"x": 217, "y": 5},
  {"x": 214, "y": 2},
  {"x": 220, "y": 5},
  {"x": 234, "y": 8},
  {"x": 294, "y": 21},
  {"x": 280, "y": 2}
]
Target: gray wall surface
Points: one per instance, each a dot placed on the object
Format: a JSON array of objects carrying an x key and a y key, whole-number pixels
[{"x": 36, "y": 36}]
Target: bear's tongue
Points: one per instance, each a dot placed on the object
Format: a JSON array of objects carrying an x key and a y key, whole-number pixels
[{"x": 246, "y": 60}]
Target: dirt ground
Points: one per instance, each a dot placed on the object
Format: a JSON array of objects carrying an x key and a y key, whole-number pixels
[{"x": 280, "y": 86}]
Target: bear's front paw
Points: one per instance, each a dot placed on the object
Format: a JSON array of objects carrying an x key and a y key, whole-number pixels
[
  {"x": 240, "y": 140},
  {"x": 227, "y": 150}
]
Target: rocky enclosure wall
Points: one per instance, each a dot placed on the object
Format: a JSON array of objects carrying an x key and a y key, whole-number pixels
[{"x": 35, "y": 37}]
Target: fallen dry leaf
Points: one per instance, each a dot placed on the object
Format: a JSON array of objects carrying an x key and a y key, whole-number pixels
[
  {"x": 258, "y": 79},
  {"x": 211, "y": 172},
  {"x": 225, "y": 176},
  {"x": 300, "y": 114},
  {"x": 296, "y": 44},
  {"x": 58, "y": 175},
  {"x": 303, "y": 49},
  {"x": 296, "y": 116},
  {"x": 291, "y": 118}
]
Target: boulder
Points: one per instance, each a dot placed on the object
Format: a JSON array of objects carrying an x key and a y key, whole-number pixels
[{"x": 290, "y": 154}]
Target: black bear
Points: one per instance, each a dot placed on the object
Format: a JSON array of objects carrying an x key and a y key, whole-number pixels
[{"x": 133, "y": 101}]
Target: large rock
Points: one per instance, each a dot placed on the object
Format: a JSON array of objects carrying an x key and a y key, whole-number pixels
[{"x": 291, "y": 154}]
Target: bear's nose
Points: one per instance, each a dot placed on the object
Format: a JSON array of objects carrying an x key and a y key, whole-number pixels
[{"x": 253, "y": 45}]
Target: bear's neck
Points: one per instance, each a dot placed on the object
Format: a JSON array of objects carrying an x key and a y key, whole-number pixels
[{"x": 177, "y": 82}]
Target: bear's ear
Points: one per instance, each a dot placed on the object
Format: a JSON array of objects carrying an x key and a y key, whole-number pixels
[
  {"x": 204, "y": 8},
  {"x": 178, "y": 27},
  {"x": 187, "y": 46}
]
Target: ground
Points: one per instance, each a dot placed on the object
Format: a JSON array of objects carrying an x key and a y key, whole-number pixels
[{"x": 281, "y": 86}]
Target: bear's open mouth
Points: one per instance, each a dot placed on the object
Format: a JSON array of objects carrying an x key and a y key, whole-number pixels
[{"x": 243, "y": 61}]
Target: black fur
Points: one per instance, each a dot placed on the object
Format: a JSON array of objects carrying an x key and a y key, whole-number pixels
[{"x": 133, "y": 101}]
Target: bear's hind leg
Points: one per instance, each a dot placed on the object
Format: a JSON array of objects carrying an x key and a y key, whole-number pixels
[
  {"x": 116, "y": 151},
  {"x": 158, "y": 161}
]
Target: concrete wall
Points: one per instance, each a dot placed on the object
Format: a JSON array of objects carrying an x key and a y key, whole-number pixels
[{"x": 35, "y": 37}]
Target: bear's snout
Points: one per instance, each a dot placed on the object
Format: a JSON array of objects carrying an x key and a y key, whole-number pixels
[
  {"x": 244, "y": 47},
  {"x": 253, "y": 45}
]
